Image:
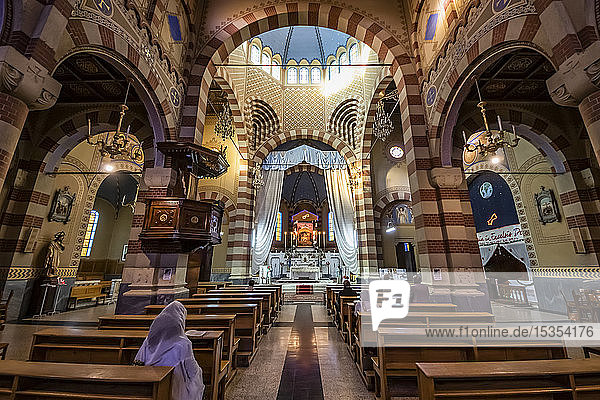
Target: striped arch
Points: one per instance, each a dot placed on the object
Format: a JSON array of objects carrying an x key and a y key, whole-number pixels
[
  {"x": 346, "y": 121},
  {"x": 241, "y": 27},
  {"x": 69, "y": 132},
  {"x": 390, "y": 197},
  {"x": 444, "y": 113},
  {"x": 282, "y": 137},
  {"x": 162, "y": 98},
  {"x": 261, "y": 121},
  {"x": 238, "y": 253},
  {"x": 246, "y": 25}
]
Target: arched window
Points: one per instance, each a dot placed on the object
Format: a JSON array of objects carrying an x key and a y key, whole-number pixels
[
  {"x": 354, "y": 54},
  {"x": 266, "y": 63},
  {"x": 292, "y": 75},
  {"x": 315, "y": 75},
  {"x": 344, "y": 59},
  {"x": 330, "y": 232},
  {"x": 276, "y": 70},
  {"x": 255, "y": 54},
  {"x": 304, "y": 75},
  {"x": 278, "y": 225},
  {"x": 90, "y": 232},
  {"x": 332, "y": 70}
]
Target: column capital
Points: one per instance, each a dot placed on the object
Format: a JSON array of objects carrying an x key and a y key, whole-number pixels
[
  {"x": 576, "y": 78},
  {"x": 447, "y": 177},
  {"x": 27, "y": 80}
]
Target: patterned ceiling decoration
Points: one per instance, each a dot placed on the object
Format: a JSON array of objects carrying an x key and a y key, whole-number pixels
[
  {"x": 520, "y": 75},
  {"x": 87, "y": 78},
  {"x": 304, "y": 42},
  {"x": 346, "y": 120},
  {"x": 263, "y": 121}
]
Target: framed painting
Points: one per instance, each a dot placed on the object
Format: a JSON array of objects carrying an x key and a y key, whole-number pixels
[{"x": 62, "y": 204}]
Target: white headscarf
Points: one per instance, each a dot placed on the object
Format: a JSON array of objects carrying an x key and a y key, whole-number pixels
[{"x": 167, "y": 345}]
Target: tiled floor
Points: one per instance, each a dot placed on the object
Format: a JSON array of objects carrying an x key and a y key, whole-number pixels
[{"x": 19, "y": 335}]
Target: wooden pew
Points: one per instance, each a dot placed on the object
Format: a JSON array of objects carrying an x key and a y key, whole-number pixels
[
  {"x": 258, "y": 301},
  {"x": 118, "y": 347},
  {"x": 398, "y": 354},
  {"x": 203, "y": 287},
  {"x": 4, "y": 309},
  {"x": 253, "y": 293},
  {"x": 42, "y": 380},
  {"x": 247, "y": 324},
  {"x": 225, "y": 323},
  {"x": 86, "y": 292},
  {"x": 277, "y": 289},
  {"x": 267, "y": 305},
  {"x": 547, "y": 379}
]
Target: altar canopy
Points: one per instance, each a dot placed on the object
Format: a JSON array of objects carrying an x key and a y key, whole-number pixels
[
  {"x": 339, "y": 195},
  {"x": 282, "y": 160}
]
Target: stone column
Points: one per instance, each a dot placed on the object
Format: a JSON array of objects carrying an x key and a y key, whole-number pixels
[
  {"x": 151, "y": 275},
  {"x": 577, "y": 84},
  {"x": 463, "y": 281},
  {"x": 24, "y": 85}
]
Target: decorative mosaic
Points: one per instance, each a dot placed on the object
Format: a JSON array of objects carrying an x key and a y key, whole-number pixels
[
  {"x": 261, "y": 85},
  {"x": 17, "y": 273},
  {"x": 302, "y": 109},
  {"x": 567, "y": 272}
]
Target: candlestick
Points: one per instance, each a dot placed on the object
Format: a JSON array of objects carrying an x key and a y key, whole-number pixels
[
  {"x": 514, "y": 133},
  {"x": 465, "y": 137},
  {"x": 284, "y": 241},
  {"x": 499, "y": 122}
]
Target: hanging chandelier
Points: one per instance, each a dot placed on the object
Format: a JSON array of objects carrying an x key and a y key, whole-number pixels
[
  {"x": 224, "y": 126},
  {"x": 490, "y": 140},
  {"x": 382, "y": 126},
  {"x": 257, "y": 177},
  {"x": 115, "y": 146}
]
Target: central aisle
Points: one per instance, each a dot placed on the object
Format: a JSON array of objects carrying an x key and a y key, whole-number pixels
[{"x": 301, "y": 358}]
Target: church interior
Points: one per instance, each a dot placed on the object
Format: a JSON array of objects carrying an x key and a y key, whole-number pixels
[{"x": 300, "y": 200}]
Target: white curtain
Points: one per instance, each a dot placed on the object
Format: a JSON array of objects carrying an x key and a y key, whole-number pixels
[
  {"x": 267, "y": 203},
  {"x": 319, "y": 158},
  {"x": 486, "y": 253},
  {"x": 341, "y": 203}
]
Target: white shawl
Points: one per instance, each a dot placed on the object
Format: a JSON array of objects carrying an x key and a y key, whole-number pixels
[{"x": 167, "y": 345}]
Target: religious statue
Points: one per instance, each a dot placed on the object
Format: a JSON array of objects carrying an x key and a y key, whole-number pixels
[{"x": 52, "y": 261}]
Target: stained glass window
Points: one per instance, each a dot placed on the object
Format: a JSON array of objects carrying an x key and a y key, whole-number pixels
[
  {"x": 354, "y": 54},
  {"x": 315, "y": 75},
  {"x": 330, "y": 232},
  {"x": 278, "y": 227},
  {"x": 266, "y": 63},
  {"x": 276, "y": 70},
  {"x": 90, "y": 232},
  {"x": 255, "y": 54},
  {"x": 292, "y": 75},
  {"x": 303, "y": 75}
]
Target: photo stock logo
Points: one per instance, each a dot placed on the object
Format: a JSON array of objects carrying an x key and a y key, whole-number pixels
[{"x": 389, "y": 300}]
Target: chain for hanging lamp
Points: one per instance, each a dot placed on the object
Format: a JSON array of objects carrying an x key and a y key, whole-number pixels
[
  {"x": 224, "y": 126},
  {"x": 382, "y": 126}
]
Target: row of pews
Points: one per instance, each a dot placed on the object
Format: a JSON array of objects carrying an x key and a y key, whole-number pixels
[
  {"x": 225, "y": 325},
  {"x": 462, "y": 370}
]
